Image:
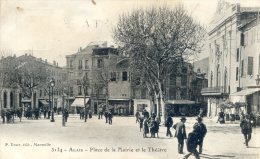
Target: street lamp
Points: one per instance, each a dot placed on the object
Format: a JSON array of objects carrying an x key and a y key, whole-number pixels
[{"x": 52, "y": 84}]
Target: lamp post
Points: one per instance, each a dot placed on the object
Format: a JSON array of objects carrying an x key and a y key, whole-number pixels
[{"x": 52, "y": 84}]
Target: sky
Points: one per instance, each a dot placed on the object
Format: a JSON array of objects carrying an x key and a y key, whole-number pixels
[{"x": 52, "y": 29}]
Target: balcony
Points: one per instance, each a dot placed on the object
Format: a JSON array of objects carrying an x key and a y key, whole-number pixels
[
  {"x": 214, "y": 91},
  {"x": 98, "y": 96}
]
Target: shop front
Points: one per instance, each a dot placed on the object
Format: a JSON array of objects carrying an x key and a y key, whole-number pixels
[
  {"x": 182, "y": 108},
  {"x": 120, "y": 106}
]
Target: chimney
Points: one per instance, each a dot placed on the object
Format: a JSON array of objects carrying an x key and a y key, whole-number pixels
[
  {"x": 80, "y": 49},
  {"x": 25, "y": 54},
  {"x": 54, "y": 63},
  {"x": 46, "y": 61},
  {"x": 57, "y": 64}
]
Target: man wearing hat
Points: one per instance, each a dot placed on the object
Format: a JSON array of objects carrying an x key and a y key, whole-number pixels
[
  {"x": 201, "y": 130},
  {"x": 180, "y": 133}
]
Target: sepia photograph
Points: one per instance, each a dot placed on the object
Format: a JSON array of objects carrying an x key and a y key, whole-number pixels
[{"x": 129, "y": 79}]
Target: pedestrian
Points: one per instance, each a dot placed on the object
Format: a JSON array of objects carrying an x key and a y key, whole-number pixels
[
  {"x": 180, "y": 133},
  {"x": 145, "y": 127},
  {"x": 110, "y": 117},
  {"x": 152, "y": 127},
  {"x": 192, "y": 143},
  {"x": 157, "y": 126},
  {"x": 141, "y": 120},
  {"x": 137, "y": 115},
  {"x": 168, "y": 124},
  {"x": 246, "y": 129},
  {"x": 201, "y": 130},
  {"x": 221, "y": 117},
  {"x": 106, "y": 116}
]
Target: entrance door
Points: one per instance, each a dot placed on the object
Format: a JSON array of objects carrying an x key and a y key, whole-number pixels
[{"x": 95, "y": 107}]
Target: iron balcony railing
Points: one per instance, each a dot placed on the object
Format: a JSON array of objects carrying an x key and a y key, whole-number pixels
[{"x": 219, "y": 89}]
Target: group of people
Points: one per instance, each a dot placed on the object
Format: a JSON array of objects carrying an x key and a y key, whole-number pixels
[
  {"x": 109, "y": 116},
  {"x": 194, "y": 139},
  {"x": 8, "y": 115},
  {"x": 148, "y": 124}
]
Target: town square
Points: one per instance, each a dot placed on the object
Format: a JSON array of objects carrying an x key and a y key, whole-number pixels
[{"x": 129, "y": 79}]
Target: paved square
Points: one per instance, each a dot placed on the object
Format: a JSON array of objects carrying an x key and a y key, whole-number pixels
[{"x": 42, "y": 139}]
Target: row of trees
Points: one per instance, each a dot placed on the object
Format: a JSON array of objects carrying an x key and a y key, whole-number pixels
[
  {"x": 24, "y": 74},
  {"x": 157, "y": 40}
]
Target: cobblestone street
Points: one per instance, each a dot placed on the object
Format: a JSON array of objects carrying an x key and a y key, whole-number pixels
[{"x": 95, "y": 139}]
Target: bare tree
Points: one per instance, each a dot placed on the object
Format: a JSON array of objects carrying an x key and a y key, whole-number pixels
[{"x": 155, "y": 39}]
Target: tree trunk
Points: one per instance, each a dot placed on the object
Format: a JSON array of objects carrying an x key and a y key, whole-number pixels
[
  {"x": 162, "y": 105},
  {"x": 157, "y": 105}
]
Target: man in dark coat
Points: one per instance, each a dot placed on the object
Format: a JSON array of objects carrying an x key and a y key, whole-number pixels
[
  {"x": 168, "y": 124},
  {"x": 192, "y": 143},
  {"x": 180, "y": 133},
  {"x": 110, "y": 117},
  {"x": 106, "y": 116},
  {"x": 201, "y": 130},
  {"x": 246, "y": 129}
]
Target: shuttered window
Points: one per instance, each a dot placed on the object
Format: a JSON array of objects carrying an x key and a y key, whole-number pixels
[{"x": 250, "y": 66}]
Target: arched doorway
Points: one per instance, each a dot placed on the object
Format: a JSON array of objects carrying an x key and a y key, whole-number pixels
[
  {"x": 11, "y": 100},
  {"x": 5, "y": 100}
]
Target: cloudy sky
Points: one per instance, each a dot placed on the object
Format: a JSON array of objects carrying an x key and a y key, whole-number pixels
[{"x": 56, "y": 28}]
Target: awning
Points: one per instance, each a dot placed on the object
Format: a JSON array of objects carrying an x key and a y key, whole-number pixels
[
  {"x": 180, "y": 102},
  {"x": 120, "y": 99},
  {"x": 245, "y": 92},
  {"x": 210, "y": 94},
  {"x": 44, "y": 102},
  {"x": 79, "y": 102}
]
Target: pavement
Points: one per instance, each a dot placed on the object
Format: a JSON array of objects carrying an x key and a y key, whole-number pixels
[{"x": 42, "y": 139}]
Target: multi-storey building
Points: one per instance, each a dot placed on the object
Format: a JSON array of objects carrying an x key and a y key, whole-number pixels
[
  {"x": 14, "y": 95},
  {"x": 224, "y": 49},
  {"x": 92, "y": 63},
  {"x": 248, "y": 57}
]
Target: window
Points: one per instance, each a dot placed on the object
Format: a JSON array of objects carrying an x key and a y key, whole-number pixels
[
  {"x": 242, "y": 39},
  {"x": 242, "y": 68},
  {"x": 80, "y": 64},
  {"x": 100, "y": 63},
  {"x": 250, "y": 66},
  {"x": 71, "y": 63},
  {"x": 237, "y": 74},
  {"x": 86, "y": 64},
  {"x": 124, "y": 76},
  {"x": 113, "y": 76},
  {"x": 237, "y": 54},
  {"x": 80, "y": 90}
]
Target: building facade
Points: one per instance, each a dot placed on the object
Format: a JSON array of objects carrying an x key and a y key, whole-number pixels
[
  {"x": 224, "y": 53},
  {"x": 26, "y": 83}
]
